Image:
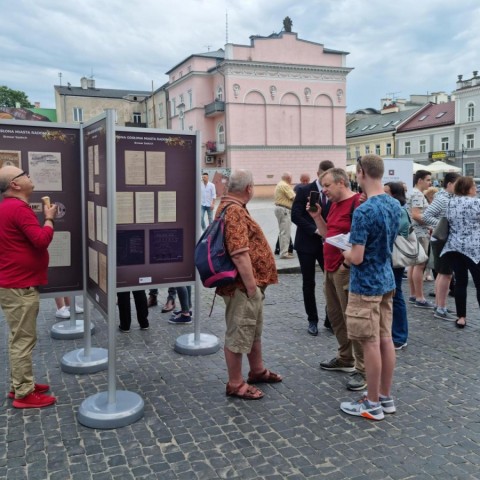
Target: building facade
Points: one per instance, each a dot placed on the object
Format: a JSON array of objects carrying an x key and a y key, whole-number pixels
[{"x": 274, "y": 105}]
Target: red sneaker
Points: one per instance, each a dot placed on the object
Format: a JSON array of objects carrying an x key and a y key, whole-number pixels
[
  {"x": 39, "y": 388},
  {"x": 34, "y": 400}
]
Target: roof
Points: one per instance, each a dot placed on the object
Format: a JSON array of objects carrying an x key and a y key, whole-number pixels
[
  {"x": 430, "y": 116},
  {"x": 99, "y": 92},
  {"x": 218, "y": 54},
  {"x": 375, "y": 124}
]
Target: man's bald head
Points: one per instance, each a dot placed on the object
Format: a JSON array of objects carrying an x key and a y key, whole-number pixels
[
  {"x": 6, "y": 174},
  {"x": 15, "y": 181}
]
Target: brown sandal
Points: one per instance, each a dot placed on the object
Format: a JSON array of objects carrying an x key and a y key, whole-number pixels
[
  {"x": 266, "y": 376},
  {"x": 249, "y": 393}
]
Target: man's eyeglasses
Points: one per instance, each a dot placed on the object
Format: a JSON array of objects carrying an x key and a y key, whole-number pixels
[
  {"x": 14, "y": 178},
  {"x": 18, "y": 176}
]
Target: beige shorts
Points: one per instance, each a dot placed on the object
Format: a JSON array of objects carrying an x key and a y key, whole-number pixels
[
  {"x": 244, "y": 319},
  {"x": 369, "y": 317}
]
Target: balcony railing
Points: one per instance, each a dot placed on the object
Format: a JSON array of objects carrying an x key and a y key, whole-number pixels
[{"x": 215, "y": 108}]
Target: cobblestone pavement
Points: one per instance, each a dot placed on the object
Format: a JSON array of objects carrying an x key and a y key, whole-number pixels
[{"x": 191, "y": 430}]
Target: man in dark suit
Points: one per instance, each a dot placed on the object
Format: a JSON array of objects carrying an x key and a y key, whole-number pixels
[{"x": 309, "y": 244}]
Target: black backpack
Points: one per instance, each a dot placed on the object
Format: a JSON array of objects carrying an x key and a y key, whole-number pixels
[{"x": 212, "y": 260}]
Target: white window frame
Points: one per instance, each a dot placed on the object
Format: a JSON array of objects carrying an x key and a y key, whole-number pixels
[
  {"x": 78, "y": 114},
  {"x": 160, "y": 110},
  {"x": 367, "y": 149},
  {"x": 377, "y": 149},
  {"x": 220, "y": 137},
  {"x": 357, "y": 152},
  {"x": 469, "y": 169},
  {"x": 137, "y": 117},
  {"x": 408, "y": 148},
  {"x": 388, "y": 149},
  {"x": 470, "y": 141},
  {"x": 444, "y": 143},
  {"x": 219, "y": 96},
  {"x": 471, "y": 112},
  {"x": 422, "y": 146}
]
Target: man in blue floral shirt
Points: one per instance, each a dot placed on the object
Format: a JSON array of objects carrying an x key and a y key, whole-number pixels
[{"x": 369, "y": 310}]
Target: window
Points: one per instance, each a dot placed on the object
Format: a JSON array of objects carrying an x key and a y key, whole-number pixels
[
  {"x": 220, "y": 137},
  {"x": 160, "y": 110},
  {"x": 469, "y": 169},
  {"x": 377, "y": 149},
  {"x": 365, "y": 127},
  {"x": 422, "y": 118},
  {"x": 357, "y": 152},
  {"x": 219, "y": 94},
  {"x": 137, "y": 117},
  {"x": 408, "y": 148},
  {"x": 470, "y": 140},
  {"x": 181, "y": 99},
  {"x": 77, "y": 114},
  {"x": 349, "y": 154},
  {"x": 470, "y": 112},
  {"x": 444, "y": 143},
  {"x": 174, "y": 107},
  {"x": 388, "y": 149},
  {"x": 440, "y": 115},
  {"x": 422, "y": 146},
  {"x": 373, "y": 126},
  {"x": 396, "y": 122},
  {"x": 387, "y": 124},
  {"x": 190, "y": 100},
  {"x": 367, "y": 149}
]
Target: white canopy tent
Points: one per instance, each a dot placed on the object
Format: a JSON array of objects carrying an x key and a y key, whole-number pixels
[{"x": 442, "y": 167}]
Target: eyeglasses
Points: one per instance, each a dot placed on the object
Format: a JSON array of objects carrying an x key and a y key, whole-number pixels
[
  {"x": 18, "y": 176},
  {"x": 11, "y": 180}
]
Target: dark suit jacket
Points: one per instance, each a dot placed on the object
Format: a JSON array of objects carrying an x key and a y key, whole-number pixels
[{"x": 306, "y": 240}]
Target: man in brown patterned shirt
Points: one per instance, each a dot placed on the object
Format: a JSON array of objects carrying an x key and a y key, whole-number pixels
[{"x": 251, "y": 253}]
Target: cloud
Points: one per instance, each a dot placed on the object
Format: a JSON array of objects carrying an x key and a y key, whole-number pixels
[{"x": 407, "y": 46}]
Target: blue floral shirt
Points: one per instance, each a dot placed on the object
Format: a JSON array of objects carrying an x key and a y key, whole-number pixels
[{"x": 375, "y": 225}]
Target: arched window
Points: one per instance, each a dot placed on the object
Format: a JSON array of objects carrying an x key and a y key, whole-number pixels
[
  {"x": 470, "y": 112},
  {"x": 220, "y": 137},
  {"x": 219, "y": 94}
]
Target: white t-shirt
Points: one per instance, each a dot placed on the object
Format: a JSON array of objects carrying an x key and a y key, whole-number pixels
[{"x": 418, "y": 200}]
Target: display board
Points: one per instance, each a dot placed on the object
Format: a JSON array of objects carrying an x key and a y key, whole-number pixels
[
  {"x": 398, "y": 170},
  {"x": 156, "y": 182},
  {"x": 50, "y": 154},
  {"x": 96, "y": 212}
]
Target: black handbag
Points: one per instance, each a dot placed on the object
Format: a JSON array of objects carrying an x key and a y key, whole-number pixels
[{"x": 441, "y": 231}]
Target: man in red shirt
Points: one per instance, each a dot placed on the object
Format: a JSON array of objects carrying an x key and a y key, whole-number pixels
[
  {"x": 23, "y": 267},
  {"x": 349, "y": 358}
]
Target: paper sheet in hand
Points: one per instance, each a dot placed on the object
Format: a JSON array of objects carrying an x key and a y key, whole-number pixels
[{"x": 341, "y": 241}]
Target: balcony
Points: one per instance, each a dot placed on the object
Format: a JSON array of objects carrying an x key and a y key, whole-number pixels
[{"x": 215, "y": 108}]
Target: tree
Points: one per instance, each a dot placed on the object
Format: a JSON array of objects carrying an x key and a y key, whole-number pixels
[{"x": 10, "y": 98}]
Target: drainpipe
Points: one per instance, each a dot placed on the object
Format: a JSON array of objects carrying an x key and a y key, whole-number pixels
[{"x": 227, "y": 153}]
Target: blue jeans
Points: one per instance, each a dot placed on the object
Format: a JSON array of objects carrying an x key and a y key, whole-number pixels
[
  {"x": 400, "y": 322},
  {"x": 185, "y": 298},
  {"x": 209, "y": 211}
]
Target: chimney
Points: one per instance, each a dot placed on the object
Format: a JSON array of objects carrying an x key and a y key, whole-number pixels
[
  {"x": 84, "y": 83},
  {"x": 90, "y": 83},
  {"x": 36, "y": 104}
]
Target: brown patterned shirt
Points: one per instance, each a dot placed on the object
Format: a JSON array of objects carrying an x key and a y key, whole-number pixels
[{"x": 243, "y": 234}]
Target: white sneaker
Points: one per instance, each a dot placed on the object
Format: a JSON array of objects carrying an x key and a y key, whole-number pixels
[
  {"x": 63, "y": 312},
  {"x": 78, "y": 309}
]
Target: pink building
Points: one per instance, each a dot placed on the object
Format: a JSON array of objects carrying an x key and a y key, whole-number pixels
[{"x": 274, "y": 105}]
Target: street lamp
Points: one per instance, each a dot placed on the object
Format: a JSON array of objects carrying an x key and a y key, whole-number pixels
[{"x": 463, "y": 152}]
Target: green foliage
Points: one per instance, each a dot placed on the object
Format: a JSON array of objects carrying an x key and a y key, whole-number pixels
[{"x": 10, "y": 98}]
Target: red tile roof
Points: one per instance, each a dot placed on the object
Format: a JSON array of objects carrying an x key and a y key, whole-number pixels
[{"x": 432, "y": 115}]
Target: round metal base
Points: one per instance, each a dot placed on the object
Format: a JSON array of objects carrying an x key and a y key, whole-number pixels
[
  {"x": 96, "y": 412},
  {"x": 65, "y": 330},
  {"x": 207, "y": 344},
  {"x": 77, "y": 362}
]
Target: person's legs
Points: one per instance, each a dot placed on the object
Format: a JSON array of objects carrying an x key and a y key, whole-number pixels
[
  {"x": 416, "y": 280},
  {"x": 124, "y": 310},
  {"x": 387, "y": 351},
  {"x": 283, "y": 219},
  {"x": 152, "y": 297},
  {"x": 170, "y": 303},
  {"x": 209, "y": 214},
  {"x": 336, "y": 303},
  {"x": 442, "y": 284},
  {"x": 307, "y": 267},
  {"x": 400, "y": 322},
  {"x": 21, "y": 309},
  {"x": 183, "y": 298},
  {"x": 141, "y": 306},
  {"x": 475, "y": 271},
  {"x": 373, "y": 368},
  {"x": 461, "y": 282}
]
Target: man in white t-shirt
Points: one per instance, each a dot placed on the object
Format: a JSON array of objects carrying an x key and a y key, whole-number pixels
[
  {"x": 418, "y": 204},
  {"x": 208, "y": 199}
]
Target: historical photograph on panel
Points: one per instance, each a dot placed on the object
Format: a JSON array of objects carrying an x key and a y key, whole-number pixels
[
  {"x": 10, "y": 157},
  {"x": 45, "y": 170},
  {"x": 130, "y": 247}
]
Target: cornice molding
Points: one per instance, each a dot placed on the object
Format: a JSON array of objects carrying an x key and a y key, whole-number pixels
[
  {"x": 285, "y": 147},
  {"x": 287, "y": 71}
]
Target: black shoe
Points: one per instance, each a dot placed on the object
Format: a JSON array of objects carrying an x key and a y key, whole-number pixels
[
  {"x": 327, "y": 324},
  {"x": 313, "y": 329},
  {"x": 432, "y": 294},
  {"x": 277, "y": 252}
]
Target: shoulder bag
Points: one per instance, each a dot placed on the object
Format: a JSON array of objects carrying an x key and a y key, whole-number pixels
[
  {"x": 441, "y": 231},
  {"x": 408, "y": 251}
]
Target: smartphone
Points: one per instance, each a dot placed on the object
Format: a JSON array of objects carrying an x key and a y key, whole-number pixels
[{"x": 314, "y": 199}]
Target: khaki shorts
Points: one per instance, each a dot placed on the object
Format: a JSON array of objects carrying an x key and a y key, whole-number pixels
[
  {"x": 244, "y": 319},
  {"x": 369, "y": 317}
]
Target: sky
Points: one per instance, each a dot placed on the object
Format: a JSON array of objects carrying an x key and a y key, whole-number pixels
[{"x": 400, "y": 47}]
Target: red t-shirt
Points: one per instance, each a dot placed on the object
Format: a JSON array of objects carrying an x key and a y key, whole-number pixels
[
  {"x": 23, "y": 244},
  {"x": 339, "y": 220}
]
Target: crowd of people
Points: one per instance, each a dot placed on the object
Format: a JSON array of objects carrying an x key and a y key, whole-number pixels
[{"x": 365, "y": 306}]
